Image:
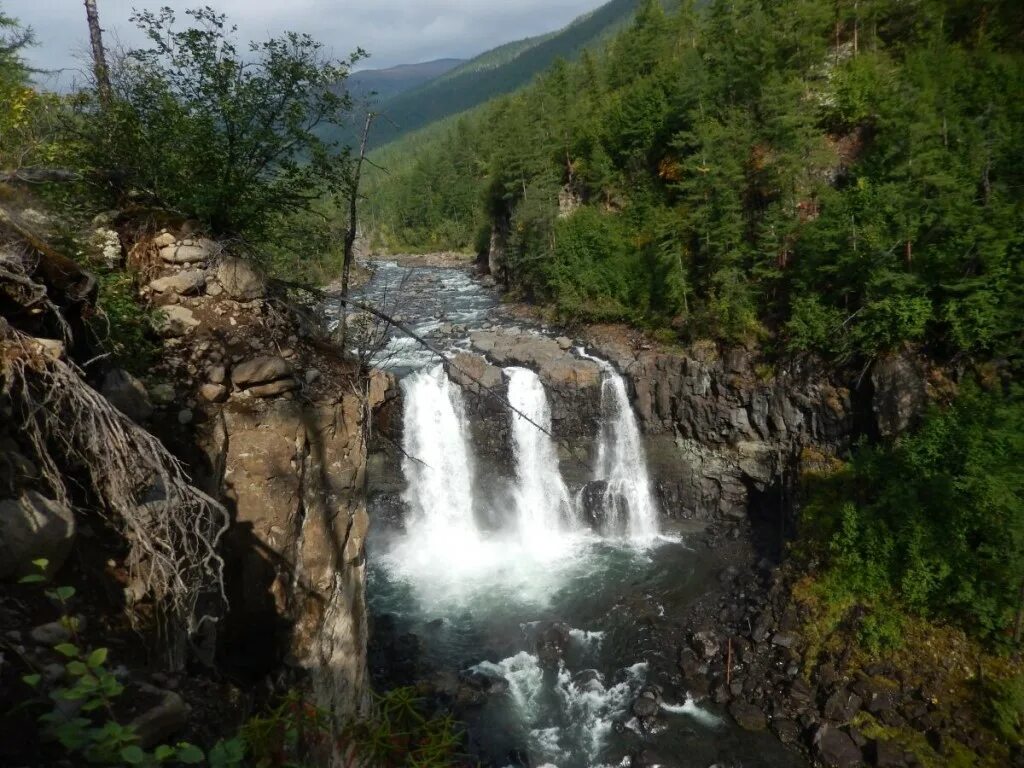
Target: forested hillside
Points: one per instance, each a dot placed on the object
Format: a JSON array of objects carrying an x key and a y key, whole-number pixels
[
  {"x": 375, "y": 85},
  {"x": 831, "y": 178},
  {"x": 496, "y": 72}
]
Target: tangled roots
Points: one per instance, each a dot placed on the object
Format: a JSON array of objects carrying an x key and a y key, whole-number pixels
[{"x": 171, "y": 527}]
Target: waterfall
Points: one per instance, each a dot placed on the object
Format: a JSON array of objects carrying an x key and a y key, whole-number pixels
[
  {"x": 437, "y": 461},
  {"x": 621, "y": 462},
  {"x": 542, "y": 501}
]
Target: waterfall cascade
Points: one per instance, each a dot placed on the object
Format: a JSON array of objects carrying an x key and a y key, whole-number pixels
[
  {"x": 437, "y": 462},
  {"x": 621, "y": 461},
  {"x": 542, "y": 500}
]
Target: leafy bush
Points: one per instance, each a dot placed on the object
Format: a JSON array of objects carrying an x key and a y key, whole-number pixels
[
  {"x": 936, "y": 520},
  {"x": 1005, "y": 699},
  {"x": 226, "y": 137}
]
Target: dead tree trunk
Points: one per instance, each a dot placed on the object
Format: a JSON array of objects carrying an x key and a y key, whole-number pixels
[
  {"x": 99, "y": 57},
  {"x": 353, "y": 222}
]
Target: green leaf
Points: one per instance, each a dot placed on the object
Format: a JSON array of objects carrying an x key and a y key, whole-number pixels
[
  {"x": 77, "y": 668},
  {"x": 163, "y": 752},
  {"x": 32, "y": 578},
  {"x": 41, "y": 563},
  {"x": 190, "y": 754},
  {"x": 133, "y": 755},
  {"x": 32, "y": 680},
  {"x": 97, "y": 657},
  {"x": 67, "y": 649},
  {"x": 64, "y": 593}
]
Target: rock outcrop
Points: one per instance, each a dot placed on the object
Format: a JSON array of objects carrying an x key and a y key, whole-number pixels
[{"x": 726, "y": 433}]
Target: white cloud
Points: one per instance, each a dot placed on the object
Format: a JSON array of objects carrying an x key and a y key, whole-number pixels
[{"x": 392, "y": 31}]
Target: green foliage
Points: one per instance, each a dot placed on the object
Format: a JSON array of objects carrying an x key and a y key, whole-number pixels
[
  {"x": 934, "y": 522},
  {"x": 123, "y": 325},
  {"x": 1005, "y": 700},
  {"x": 842, "y": 199},
  {"x": 230, "y": 138}
]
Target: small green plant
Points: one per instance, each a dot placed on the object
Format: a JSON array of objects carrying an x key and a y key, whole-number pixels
[
  {"x": 81, "y": 718},
  {"x": 1005, "y": 700}
]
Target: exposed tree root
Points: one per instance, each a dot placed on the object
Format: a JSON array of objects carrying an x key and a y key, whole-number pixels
[{"x": 171, "y": 527}]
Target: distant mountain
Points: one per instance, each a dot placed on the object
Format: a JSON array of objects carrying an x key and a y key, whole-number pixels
[
  {"x": 495, "y": 72},
  {"x": 383, "y": 84}
]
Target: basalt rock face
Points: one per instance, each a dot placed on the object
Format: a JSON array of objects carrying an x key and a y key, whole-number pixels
[
  {"x": 294, "y": 474},
  {"x": 721, "y": 437}
]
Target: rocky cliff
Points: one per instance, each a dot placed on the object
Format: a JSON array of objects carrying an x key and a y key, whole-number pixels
[{"x": 269, "y": 421}]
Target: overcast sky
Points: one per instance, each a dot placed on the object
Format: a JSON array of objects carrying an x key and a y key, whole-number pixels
[{"x": 392, "y": 31}]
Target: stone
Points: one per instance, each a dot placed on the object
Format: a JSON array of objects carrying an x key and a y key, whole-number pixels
[
  {"x": 706, "y": 644},
  {"x": 312, "y": 376},
  {"x": 787, "y": 730},
  {"x": 213, "y": 289},
  {"x": 33, "y": 527},
  {"x": 158, "y": 724},
  {"x": 185, "y": 416},
  {"x": 164, "y": 239},
  {"x": 213, "y": 393},
  {"x": 552, "y": 642},
  {"x": 215, "y": 374},
  {"x": 274, "y": 388},
  {"x": 786, "y": 639},
  {"x": 836, "y": 749},
  {"x": 127, "y": 394},
  {"x": 185, "y": 283},
  {"x": 474, "y": 373},
  {"x": 50, "y": 634},
  {"x": 841, "y": 706},
  {"x": 176, "y": 321},
  {"x": 162, "y": 394},
  {"x": 240, "y": 280},
  {"x": 747, "y": 716},
  {"x": 646, "y": 706},
  {"x": 260, "y": 370},
  {"x": 189, "y": 251},
  {"x": 564, "y": 343}
]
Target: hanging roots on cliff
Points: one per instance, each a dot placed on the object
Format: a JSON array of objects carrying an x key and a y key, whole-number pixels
[{"x": 171, "y": 527}]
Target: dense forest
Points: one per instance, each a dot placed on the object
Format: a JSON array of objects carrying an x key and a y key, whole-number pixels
[
  {"x": 839, "y": 180},
  {"x": 831, "y": 178}
]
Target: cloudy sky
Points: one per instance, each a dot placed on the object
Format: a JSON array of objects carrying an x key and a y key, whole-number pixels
[{"x": 393, "y": 31}]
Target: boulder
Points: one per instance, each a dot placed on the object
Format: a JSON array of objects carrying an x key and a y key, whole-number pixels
[
  {"x": 176, "y": 321},
  {"x": 127, "y": 394},
  {"x": 158, "y": 724},
  {"x": 33, "y": 527},
  {"x": 189, "y": 251},
  {"x": 747, "y": 716},
  {"x": 213, "y": 393},
  {"x": 184, "y": 283},
  {"x": 260, "y": 370},
  {"x": 50, "y": 634},
  {"x": 274, "y": 388},
  {"x": 216, "y": 374},
  {"x": 842, "y": 705},
  {"x": 836, "y": 749},
  {"x": 552, "y": 642},
  {"x": 593, "y": 499},
  {"x": 474, "y": 373},
  {"x": 646, "y": 705},
  {"x": 886, "y": 754},
  {"x": 164, "y": 239},
  {"x": 240, "y": 280},
  {"x": 706, "y": 644}
]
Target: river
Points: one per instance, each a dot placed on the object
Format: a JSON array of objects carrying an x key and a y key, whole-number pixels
[{"x": 553, "y": 638}]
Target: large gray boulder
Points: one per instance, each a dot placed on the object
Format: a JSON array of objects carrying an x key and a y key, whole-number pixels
[
  {"x": 260, "y": 370},
  {"x": 184, "y": 283},
  {"x": 176, "y": 321},
  {"x": 836, "y": 749},
  {"x": 240, "y": 280},
  {"x": 189, "y": 251},
  {"x": 33, "y": 527},
  {"x": 127, "y": 394}
]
